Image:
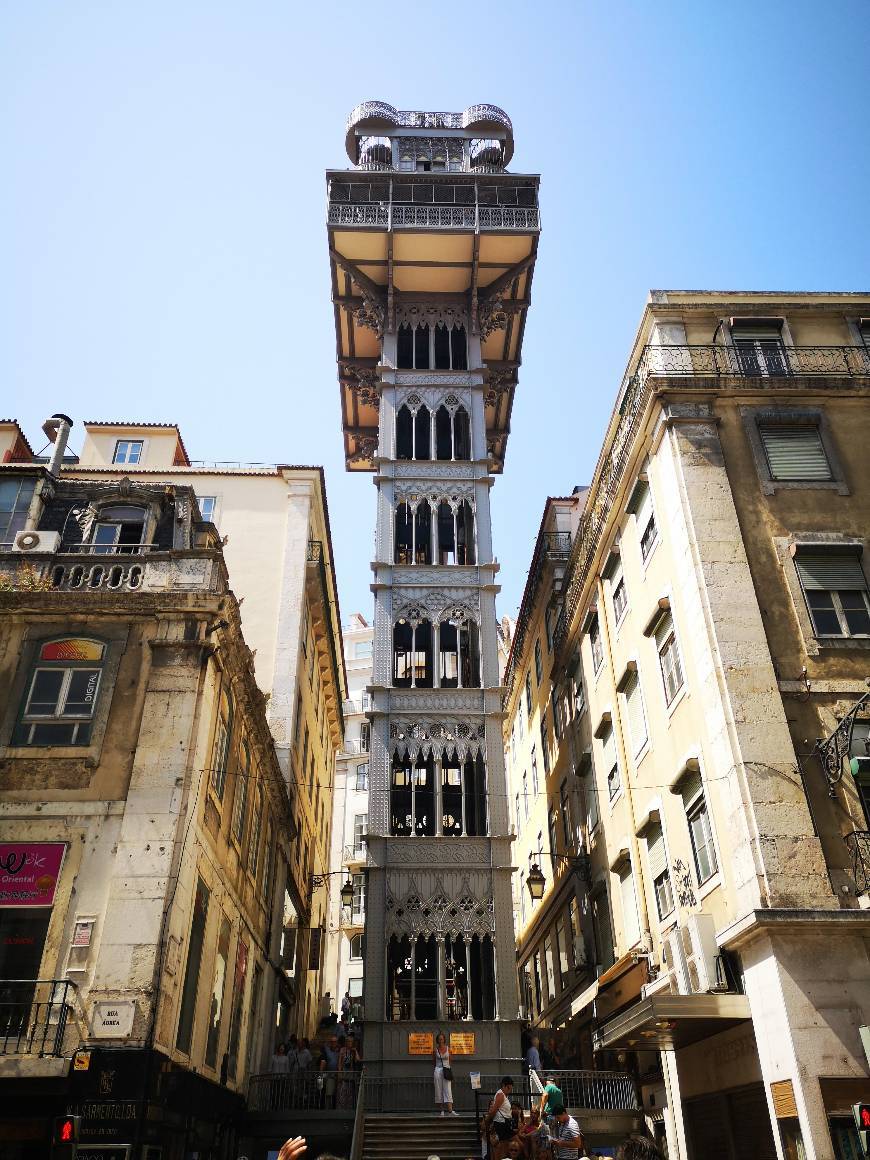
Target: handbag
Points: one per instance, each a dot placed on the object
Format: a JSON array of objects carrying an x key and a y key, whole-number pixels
[{"x": 446, "y": 1070}]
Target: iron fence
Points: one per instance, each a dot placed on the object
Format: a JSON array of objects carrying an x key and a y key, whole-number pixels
[
  {"x": 769, "y": 359},
  {"x": 858, "y": 843},
  {"x": 304, "y": 1091},
  {"x": 34, "y": 1014}
]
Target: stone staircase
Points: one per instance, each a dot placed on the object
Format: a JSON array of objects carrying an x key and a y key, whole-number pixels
[{"x": 396, "y": 1136}]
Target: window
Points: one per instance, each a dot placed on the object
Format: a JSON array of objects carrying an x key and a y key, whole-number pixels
[
  {"x": 191, "y": 971},
  {"x": 216, "y": 1003},
  {"x": 545, "y": 747},
  {"x": 548, "y": 628},
  {"x": 360, "y": 829},
  {"x": 620, "y": 597},
  {"x": 551, "y": 834},
  {"x": 534, "y": 772},
  {"x": 641, "y": 505},
  {"x": 577, "y": 933},
  {"x": 669, "y": 658},
  {"x": 565, "y": 809},
  {"x": 15, "y": 499},
  {"x": 759, "y": 347},
  {"x": 362, "y": 776},
  {"x": 539, "y": 666},
  {"x": 634, "y": 711},
  {"x": 526, "y": 805},
  {"x": 240, "y": 803},
  {"x": 356, "y": 946},
  {"x": 562, "y": 950},
  {"x": 658, "y": 869},
  {"x": 513, "y": 742},
  {"x": 596, "y": 642},
  {"x": 519, "y": 818},
  {"x": 118, "y": 528},
  {"x": 611, "y": 764},
  {"x": 412, "y": 797},
  {"x": 529, "y": 694},
  {"x": 835, "y": 589},
  {"x": 128, "y": 451},
  {"x": 550, "y": 965},
  {"x": 459, "y": 654},
  {"x": 256, "y": 828},
  {"x": 795, "y": 452},
  {"x": 362, "y": 648},
  {"x": 62, "y": 693},
  {"x": 591, "y": 788},
  {"x": 365, "y": 736},
  {"x": 523, "y": 897},
  {"x": 700, "y": 830},
  {"x": 359, "y": 896},
  {"x": 520, "y": 720},
  {"x": 630, "y": 916},
  {"x": 207, "y": 505},
  {"x": 221, "y": 749}
]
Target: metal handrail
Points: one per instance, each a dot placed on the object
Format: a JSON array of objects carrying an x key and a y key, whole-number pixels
[
  {"x": 359, "y": 1121},
  {"x": 771, "y": 359},
  {"x": 858, "y": 844},
  {"x": 307, "y": 1090},
  {"x": 30, "y": 1025}
]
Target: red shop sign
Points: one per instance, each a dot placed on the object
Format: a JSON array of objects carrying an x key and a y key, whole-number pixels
[{"x": 29, "y": 872}]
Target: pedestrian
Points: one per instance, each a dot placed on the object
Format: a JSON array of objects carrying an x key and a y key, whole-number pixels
[
  {"x": 280, "y": 1064},
  {"x": 346, "y": 1006},
  {"x": 499, "y": 1114},
  {"x": 568, "y": 1141},
  {"x": 638, "y": 1148},
  {"x": 304, "y": 1058},
  {"x": 348, "y": 1056},
  {"x": 550, "y": 1097},
  {"x": 293, "y": 1053},
  {"x": 533, "y": 1056},
  {"x": 328, "y": 1068},
  {"x": 443, "y": 1075}
]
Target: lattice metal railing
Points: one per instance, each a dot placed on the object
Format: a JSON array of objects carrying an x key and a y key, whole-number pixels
[
  {"x": 858, "y": 843},
  {"x": 752, "y": 360}
]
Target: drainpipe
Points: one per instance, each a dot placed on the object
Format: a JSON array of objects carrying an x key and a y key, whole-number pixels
[{"x": 57, "y": 428}]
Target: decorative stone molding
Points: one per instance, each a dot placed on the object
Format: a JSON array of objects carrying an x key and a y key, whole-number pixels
[
  {"x": 457, "y": 604},
  {"x": 491, "y": 316},
  {"x": 436, "y": 378},
  {"x": 450, "y": 396},
  {"x": 431, "y": 314},
  {"x": 444, "y": 577},
  {"x": 437, "y": 700},
  {"x": 430, "y": 852},
  {"x": 453, "y": 494},
  {"x": 428, "y": 471}
]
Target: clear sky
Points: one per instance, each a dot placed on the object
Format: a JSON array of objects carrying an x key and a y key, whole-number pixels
[{"x": 162, "y": 239}]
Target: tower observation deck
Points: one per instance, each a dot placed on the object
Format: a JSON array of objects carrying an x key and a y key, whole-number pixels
[{"x": 432, "y": 245}]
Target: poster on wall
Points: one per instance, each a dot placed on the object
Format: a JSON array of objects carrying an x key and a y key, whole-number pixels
[{"x": 29, "y": 872}]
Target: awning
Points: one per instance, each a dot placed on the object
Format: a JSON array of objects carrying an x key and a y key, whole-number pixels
[
  {"x": 669, "y": 1022},
  {"x": 584, "y": 998}
]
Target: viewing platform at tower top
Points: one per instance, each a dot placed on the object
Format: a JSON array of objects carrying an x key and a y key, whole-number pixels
[{"x": 429, "y": 231}]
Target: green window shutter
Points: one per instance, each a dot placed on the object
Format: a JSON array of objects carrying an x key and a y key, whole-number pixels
[
  {"x": 655, "y": 849},
  {"x": 795, "y": 451},
  {"x": 831, "y": 571}
]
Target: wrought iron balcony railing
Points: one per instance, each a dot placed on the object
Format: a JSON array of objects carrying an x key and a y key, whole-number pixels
[
  {"x": 858, "y": 843},
  {"x": 34, "y": 1014},
  {"x": 553, "y": 547},
  {"x": 436, "y": 217},
  {"x": 754, "y": 360}
]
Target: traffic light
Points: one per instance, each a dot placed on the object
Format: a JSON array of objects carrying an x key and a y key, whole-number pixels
[
  {"x": 861, "y": 1112},
  {"x": 65, "y": 1137}
]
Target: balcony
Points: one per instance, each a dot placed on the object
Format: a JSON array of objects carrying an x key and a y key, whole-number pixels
[
  {"x": 356, "y": 745},
  {"x": 769, "y": 360},
  {"x": 858, "y": 843},
  {"x": 354, "y": 855},
  {"x": 126, "y": 568},
  {"x": 34, "y": 1016},
  {"x": 521, "y": 219}
]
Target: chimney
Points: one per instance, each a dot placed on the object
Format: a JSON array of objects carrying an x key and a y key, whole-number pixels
[{"x": 57, "y": 428}]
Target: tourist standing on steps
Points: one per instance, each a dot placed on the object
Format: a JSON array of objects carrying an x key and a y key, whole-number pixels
[{"x": 443, "y": 1076}]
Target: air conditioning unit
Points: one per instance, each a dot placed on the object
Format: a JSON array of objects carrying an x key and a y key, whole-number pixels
[
  {"x": 36, "y": 542},
  {"x": 674, "y": 956},
  {"x": 700, "y": 951}
]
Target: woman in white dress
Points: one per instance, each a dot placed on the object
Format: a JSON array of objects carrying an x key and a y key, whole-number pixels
[{"x": 443, "y": 1084}]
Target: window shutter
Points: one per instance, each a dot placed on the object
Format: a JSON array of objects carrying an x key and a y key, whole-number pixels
[
  {"x": 664, "y": 629},
  {"x": 609, "y": 750},
  {"x": 655, "y": 849},
  {"x": 630, "y": 918},
  {"x": 830, "y": 571},
  {"x": 765, "y": 333},
  {"x": 634, "y": 712},
  {"x": 640, "y": 499},
  {"x": 795, "y": 451},
  {"x": 690, "y": 788}
]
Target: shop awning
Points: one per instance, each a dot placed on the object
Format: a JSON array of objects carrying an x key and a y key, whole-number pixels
[{"x": 671, "y": 1021}]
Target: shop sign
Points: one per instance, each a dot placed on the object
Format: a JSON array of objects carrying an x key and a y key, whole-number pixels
[
  {"x": 420, "y": 1043},
  {"x": 29, "y": 872},
  {"x": 113, "y": 1020},
  {"x": 462, "y": 1043},
  {"x": 82, "y": 1061},
  {"x": 103, "y": 1151}
]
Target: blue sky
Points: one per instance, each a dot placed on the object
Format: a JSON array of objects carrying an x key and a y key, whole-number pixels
[{"x": 162, "y": 207}]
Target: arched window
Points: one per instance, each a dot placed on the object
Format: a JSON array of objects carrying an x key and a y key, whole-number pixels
[
  {"x": 443, "y": 433},
  {"x": 465, "y": 552},
  {"x": 463, "y": 797},
  {"x": 459, "y": 655},
  {"x": 412, "y": 797},
  {"x": 481, "y": 971},
  {"x": 118, "y": 528},
  {"x": 461, "y": 434},
  {"x": 405, "y": 347},
  {"x": 422, "y": 436},
  {"x": 412, "y": 347},
  {"x": 62, "y": 692},
  {"x": 412, "y": 655},
  {"x": 404, "y": 535},
  {"x": 458, "y": 348},
  {"x": 446, "y": 534},
  {"x": 421, "y": 347},
  {"x": 423, "y": 533},
  {"x": 404, "y": 434},
  {"x": 463, "y": 987}
]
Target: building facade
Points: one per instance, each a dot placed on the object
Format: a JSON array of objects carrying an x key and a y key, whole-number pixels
[
  {"x": 274, "y": 521},
  {"x": 350, "y": 823},
  {"x": 432, "y": 245},
  {"x": 146, "y": 827},
  {"x": 710, "y": 645}
]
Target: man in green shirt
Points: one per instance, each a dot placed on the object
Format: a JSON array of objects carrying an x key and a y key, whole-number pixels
[{"x": 550, "y": 1098}]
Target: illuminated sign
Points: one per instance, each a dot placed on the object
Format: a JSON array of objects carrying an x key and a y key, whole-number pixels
[{"x": 29, "y": 872}]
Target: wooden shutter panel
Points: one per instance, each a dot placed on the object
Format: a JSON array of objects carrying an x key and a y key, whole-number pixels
[
  {"x": 655, "y": 848},
  {"x": 690, "y": 787},
  {"x": 634, "y": 712},
  {"x": 831, "y": 571},
  {"x": 795, "y": 451}
]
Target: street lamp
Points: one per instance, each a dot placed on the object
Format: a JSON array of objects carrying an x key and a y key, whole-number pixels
[
  {"x": 346, "y": 894},
  {"x": 536, "y": 881}
]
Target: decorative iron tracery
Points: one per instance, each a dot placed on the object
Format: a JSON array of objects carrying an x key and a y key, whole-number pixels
[
  {"x": 834, "y": 751},
  {"x": 415, "y": 913},
  {"x": 439, "y": 739}
]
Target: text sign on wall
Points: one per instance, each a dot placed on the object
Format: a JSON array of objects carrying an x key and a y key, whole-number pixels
[
  {"x": 462, "y": 1043},
  {"x": 29, "y": 872},
  {"x": 113, "y": 1020},
  {"x": 421, "y": 1043}
]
